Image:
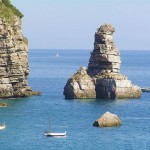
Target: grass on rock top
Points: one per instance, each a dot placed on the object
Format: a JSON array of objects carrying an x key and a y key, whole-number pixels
[{"x": 8, "y": 11}]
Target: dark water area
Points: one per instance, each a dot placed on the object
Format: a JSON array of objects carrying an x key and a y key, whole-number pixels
[{"x": 28, "y": 118}]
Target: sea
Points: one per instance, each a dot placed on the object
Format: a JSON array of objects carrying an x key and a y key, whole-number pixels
[{"x": 28, "y": 118}]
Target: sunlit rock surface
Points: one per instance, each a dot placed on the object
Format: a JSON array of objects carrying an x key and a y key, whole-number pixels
[
  {"x": 14, "y": 67},
  {"x": 108, "y": 120},
  {"x": 103, "y": 72}
]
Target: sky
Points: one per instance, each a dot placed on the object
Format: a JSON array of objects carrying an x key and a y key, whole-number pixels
[{"x": 71, "y": 24}]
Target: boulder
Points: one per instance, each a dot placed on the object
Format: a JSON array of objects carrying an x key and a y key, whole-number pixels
[
  {"x": 80, "y": 85},
  {"x": 3, "y": 104},
  {"x": 115, "y": 86},
  {"x": 108, "y": 120}
]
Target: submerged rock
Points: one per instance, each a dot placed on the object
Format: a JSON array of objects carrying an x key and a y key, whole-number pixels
[
  {"x": 14, "y": 68},
  {"x": 108, "y": 120},
  {"x": 103, "y": 72},
  {"x": 3, "y": 104}
]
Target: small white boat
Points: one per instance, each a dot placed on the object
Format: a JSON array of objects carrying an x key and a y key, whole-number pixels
[
  {"x": 145, "y": 89},
  {"x": 2, "y": 126},
  {"x": 55, "y": 134}
]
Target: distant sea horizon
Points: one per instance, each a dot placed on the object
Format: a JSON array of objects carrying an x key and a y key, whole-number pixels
[{"x": 84, "y": 49}]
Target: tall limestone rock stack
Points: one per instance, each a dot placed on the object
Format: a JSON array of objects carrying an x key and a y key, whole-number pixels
[
  {"x": 105, "y": 57},
  {"x": 103, "y": 71},
  {"x": 14, "y": 67}
]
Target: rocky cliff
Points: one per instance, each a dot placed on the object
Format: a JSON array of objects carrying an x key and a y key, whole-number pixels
[
  {"x": 14, "y": 67},
  {"x": 104, "y": 78}
]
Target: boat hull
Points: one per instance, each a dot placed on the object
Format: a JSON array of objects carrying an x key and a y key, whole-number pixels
[
  {"x": 55, "y": 134},
  {"x": 2, "y": 127},
  {"x": 145, "y": 89}
]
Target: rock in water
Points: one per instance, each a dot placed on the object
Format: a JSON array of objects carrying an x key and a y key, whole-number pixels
[
  {"x": 3, "y": 104},
  {"x": 103, "y": 72},
  {"x": 108, "y": 120},
  {"x": 80, "y": 85},
  {"x": 14, "y": 67},
  {"x": 104, "y": 65},
  {"x": 115, "y": 86}
]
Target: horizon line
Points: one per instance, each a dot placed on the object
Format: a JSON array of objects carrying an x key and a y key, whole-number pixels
[{"x": 84, "y": 49}]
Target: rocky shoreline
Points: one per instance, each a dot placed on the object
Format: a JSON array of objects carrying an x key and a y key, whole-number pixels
[{"x": 102, "y": 78}]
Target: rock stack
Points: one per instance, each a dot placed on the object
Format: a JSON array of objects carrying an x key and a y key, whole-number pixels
[
  {"x": 105, "y": 57},
  {"x": 14, "y": 67},
  {"x": 103, "y": 71}
]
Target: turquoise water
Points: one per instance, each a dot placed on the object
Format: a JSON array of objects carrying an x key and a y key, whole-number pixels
[{"x": 28, "y": 118}]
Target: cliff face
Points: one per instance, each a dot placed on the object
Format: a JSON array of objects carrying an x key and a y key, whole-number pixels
[
  {"x": 103, "y": 71},
  {"x": 14, "y": 67}
]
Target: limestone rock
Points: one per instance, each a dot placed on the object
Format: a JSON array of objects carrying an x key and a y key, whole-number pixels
[
  {"x": 115, "y": 86},
  {"x": 105, "y": 57},
  {"x": 14, "y": 67},
  {"x": 108, "y": 120},
  {"x": 80, "y": 85},
  {"x": 103, "y": 72}
]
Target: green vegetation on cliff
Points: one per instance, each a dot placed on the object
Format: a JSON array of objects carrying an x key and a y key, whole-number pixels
[{"x": 8, "y": 11}]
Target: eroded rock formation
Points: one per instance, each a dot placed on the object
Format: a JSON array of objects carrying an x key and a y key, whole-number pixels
[
  {"x": 80, "y": 85},
  {"x": 14, "y": 67},
  {"x": 103, "y": 72},
  {"x": 105, "y": 57},
  {"x": 108, "y": 120}
]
